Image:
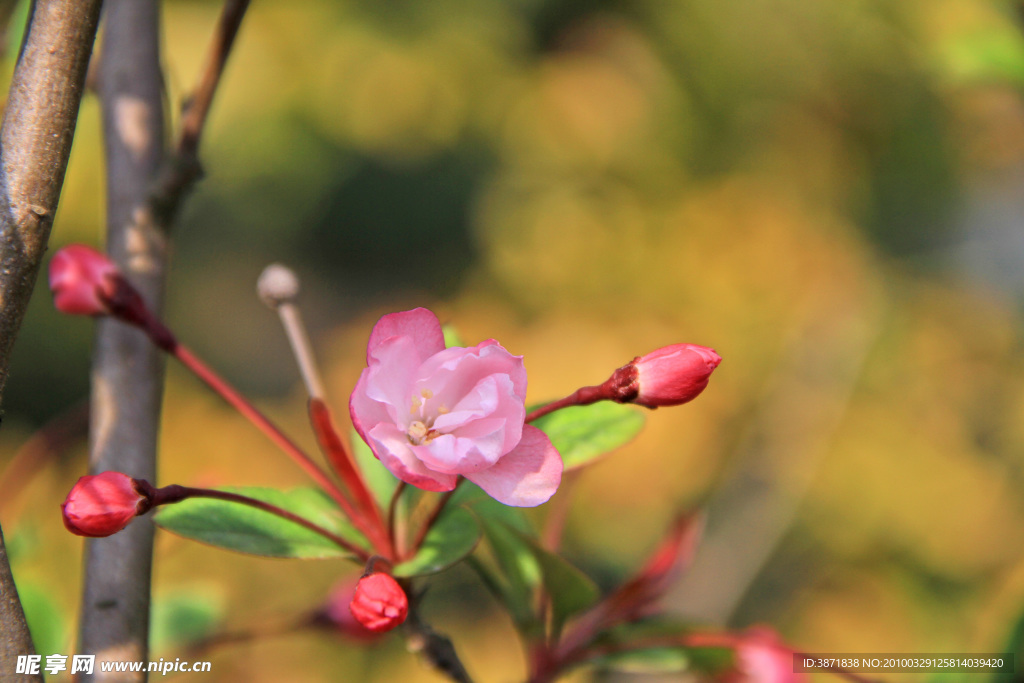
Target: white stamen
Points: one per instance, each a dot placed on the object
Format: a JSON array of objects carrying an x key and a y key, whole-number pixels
[{"x": 278, "y": 286}]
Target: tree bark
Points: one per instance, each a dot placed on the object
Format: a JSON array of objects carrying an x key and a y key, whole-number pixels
[
  {"x": 35, "y": 142},
  {"x": 128, "y": 370}
]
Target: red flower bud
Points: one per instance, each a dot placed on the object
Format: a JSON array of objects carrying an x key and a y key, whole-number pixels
[
  {"x": 82, "y": 280},
  {"x": 379, "y": 603},
  {"x": 337, "y": 614},
  {"x": 103, "y": 504},
  {"x": 86, "y": 282},
  {"x": 673, "y": 374}
]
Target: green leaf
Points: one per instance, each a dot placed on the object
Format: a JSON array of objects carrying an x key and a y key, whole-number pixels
[
  {"x": 955, "y": 677},
  {"x": 990, "y": 54},
  {"x": 655, "y": 660},
  {"x": 23, "y": 542},
  {"x": 46, "y": 620},
  {"x": 183, "y": 617},
  {"x": 571, "y": 591},
  {"x": 15, "y": 29},
  {"x": 245, "y": 529},
  {"x": 515, "y": 555},
  {"x": 485, "y": 507},
  {"x": 583, "y": 433},
  {"x": 381, "y": 482},
  {"x": 656, "y": 626},
  {"x": 667, "y": 660},
  {"x": 520, "y": 569},
  {"x": 633, "y": 651},
  {"x": 1014, "y": 643},
  {"x": 451, "y": 336},
  {"x": 453, "y": 537}
]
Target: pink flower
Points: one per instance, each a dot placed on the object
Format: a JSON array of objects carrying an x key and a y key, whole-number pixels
[
  {"x": 103, "y": 504},
  {"x": 379, "y": 603},
  {"x": 432, "y": 414},
  {"x": 673, "y": 374},
  {"x": 82, "y": 280}
]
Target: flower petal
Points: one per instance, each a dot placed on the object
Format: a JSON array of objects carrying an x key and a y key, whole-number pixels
[
  {"x": 391, "y": 446},
  {"x": 479, "y": 382},
  {"x": 525, "y": 477},
  {"x": 389, "y": 377},
  {"x": 419, "y": 324},
  {"x": 364, "y": 411},
  {"x": 451, "y": 374},
  {"x": 479, "y": 448}
]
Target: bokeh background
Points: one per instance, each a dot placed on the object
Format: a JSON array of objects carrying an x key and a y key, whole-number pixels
[{"x": 830, "y": 194}]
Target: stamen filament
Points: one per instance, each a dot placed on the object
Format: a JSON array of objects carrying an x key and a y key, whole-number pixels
[{"x": 278, "y": 286}]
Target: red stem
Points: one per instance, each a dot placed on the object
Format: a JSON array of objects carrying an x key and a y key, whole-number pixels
[
  {"x": 583, "y": 396},
  {"x": 341, "y": 459},
  {"x": 621, "y": 387},
  {"x": 373, "y": 532},
  {"x": 176, "y": 493}
]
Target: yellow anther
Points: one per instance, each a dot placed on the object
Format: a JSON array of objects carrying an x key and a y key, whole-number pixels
[
  {"x": 417, "y": 430},
  {"x": 427, "y": 394}
]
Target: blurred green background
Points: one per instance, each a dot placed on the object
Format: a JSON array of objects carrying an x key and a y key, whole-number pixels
[{"x": 829, "y": 194}]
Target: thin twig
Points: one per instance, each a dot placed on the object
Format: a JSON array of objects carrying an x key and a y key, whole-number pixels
[
  {"x": 197, "y": 108},
  {"x": 183, "y": 169},
  {"x": 257, "y": 630}
]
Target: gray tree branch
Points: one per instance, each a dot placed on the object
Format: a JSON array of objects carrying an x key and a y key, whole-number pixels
[
  {"x": 35, "y": 141},
  {"x": 128, "y": 371},
  {"x": 145, "y": 188}
]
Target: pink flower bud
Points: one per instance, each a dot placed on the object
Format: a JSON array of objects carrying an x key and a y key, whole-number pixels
[
  {"x": 379, "y": 603},
  {"x": 82, "y": 280},
  {"x": 673, "y": 374},
  {"x": 103, "y": 504}
]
